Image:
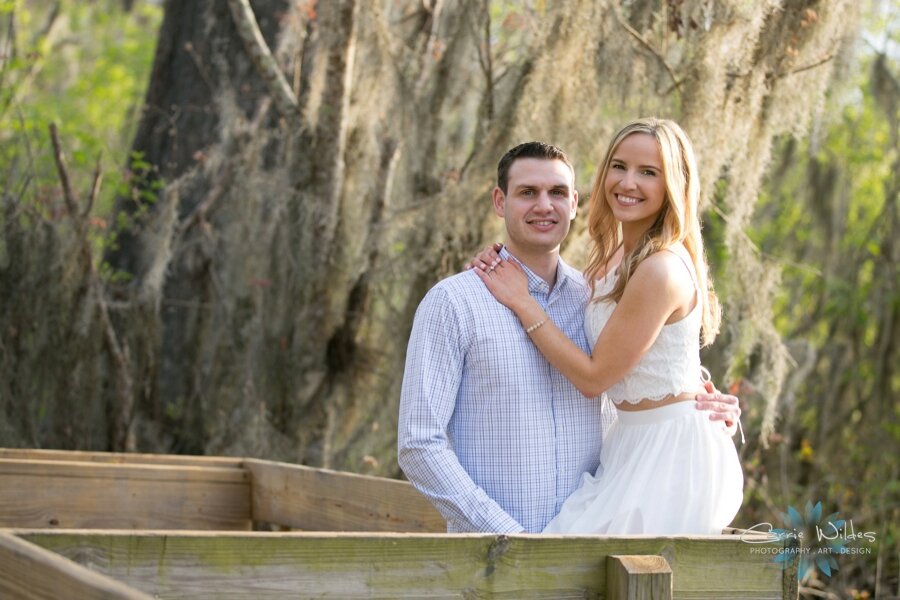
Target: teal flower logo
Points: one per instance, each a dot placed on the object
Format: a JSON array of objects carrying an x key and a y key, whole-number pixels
[{"x": 818, "y": 540}]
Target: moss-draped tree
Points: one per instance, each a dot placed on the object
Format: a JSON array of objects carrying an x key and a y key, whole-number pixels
[{"x": 306, "y": 211}]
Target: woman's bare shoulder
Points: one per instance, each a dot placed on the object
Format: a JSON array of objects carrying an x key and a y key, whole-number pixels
[{"x": 664, "y": 271}]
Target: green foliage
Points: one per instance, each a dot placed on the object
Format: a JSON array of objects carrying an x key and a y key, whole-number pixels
[
  {"x": 828, "y": 218},
  {"x": 82, "y": 65},
  {"x": 85, "y": 69}
]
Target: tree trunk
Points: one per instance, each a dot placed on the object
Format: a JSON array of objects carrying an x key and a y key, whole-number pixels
[{"x": 199, "y": 59}]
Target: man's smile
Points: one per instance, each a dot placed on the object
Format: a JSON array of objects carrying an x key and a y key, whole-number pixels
[{"x": 542, "y": 223}]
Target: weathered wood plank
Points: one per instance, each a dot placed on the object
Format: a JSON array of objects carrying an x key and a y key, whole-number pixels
[
  {"x": 790, "y": 580},
  {"x": 70, "y": 494},
  {"x": 300, "y": 564},
  {"x": 322, "y": 500},
  {"x": 121, "y": 457},
  {"x": 29, "y": 572},
  {"x": 643, "y": 577},
  {"x": 78, "y": 470}
]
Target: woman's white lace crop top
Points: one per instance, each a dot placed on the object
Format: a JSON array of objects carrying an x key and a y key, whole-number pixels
[{"x": 671, "y": 365}]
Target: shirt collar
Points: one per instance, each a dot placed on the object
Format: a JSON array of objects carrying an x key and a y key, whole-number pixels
[{"x": 535, "y": 283}]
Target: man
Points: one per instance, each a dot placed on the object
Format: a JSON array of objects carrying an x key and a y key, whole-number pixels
[{"x": 493, "y": 435}]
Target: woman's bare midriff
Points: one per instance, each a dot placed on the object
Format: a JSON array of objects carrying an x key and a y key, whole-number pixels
[{"x": 647, "y": 404}]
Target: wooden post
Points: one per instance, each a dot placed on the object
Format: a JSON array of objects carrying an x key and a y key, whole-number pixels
[
  {"x": 790, "y": 582},
  {"x": 644, "y": 577}
]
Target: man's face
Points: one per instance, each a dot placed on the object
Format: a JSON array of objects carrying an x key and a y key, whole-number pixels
[{"x": 539, "y": 205}]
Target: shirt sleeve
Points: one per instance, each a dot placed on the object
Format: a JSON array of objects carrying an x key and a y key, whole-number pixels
[{"x": 434, "y": 366}]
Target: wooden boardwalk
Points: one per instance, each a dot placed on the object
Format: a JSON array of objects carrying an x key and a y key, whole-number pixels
[{"x": 99, "y": 525}]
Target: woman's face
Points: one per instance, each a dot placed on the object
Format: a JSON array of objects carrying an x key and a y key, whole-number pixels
[{"x": 635, "y": 186}]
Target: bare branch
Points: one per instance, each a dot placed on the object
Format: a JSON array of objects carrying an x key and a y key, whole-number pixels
[
  {"x": 8, "y": 53},
  {"x": 119, "y": 351},
  {"x": 198, "y": 215},
  {"x": 262, "y": 58},
  {"x": 48, "y": 25},
  {"x": 68, "y": 196},
  {"x": 122, "y": 440},
  {"x": 338, "y": 40},
  {"x": 812, "y": 65},
  {"x": 201, "y": 68},
  {"x": 633, "y": 32},
  {"x": 428, "y": 45},
  {"x": 819, "y": 62},
  {"x": 487, "y": 64},
  {"x": 223, "y": 181},
  {"x": 46, "y": 34},
  {"x": 95, "y": 190}
]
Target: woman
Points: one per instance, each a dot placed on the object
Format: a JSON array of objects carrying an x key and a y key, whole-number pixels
[{"x": 665, "y": 468}]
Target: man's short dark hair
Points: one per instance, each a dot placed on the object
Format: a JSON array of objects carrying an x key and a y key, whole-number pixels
[{"x": 528, "y": 150}]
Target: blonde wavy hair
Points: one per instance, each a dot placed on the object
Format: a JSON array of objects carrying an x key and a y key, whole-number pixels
[{"x": 677, "y": 222}]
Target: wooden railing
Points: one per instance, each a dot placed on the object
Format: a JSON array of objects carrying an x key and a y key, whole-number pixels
[{"x": 97, "y": 525}]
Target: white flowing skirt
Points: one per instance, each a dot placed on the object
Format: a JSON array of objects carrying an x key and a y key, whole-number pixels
[{"x": 664, "y": 471}]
